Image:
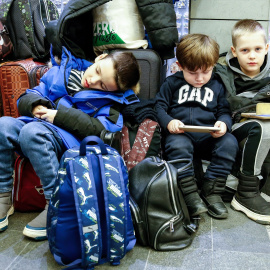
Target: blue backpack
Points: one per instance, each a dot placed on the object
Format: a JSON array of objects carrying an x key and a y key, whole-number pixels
[{"x": 89, "y": 220}]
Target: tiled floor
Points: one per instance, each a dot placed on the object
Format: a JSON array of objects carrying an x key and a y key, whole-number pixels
[{"x": 235, "y": 243}]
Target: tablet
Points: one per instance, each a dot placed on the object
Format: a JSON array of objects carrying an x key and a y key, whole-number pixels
[
  {"x": 199, "y": 129},
  {"x": 256, "y": 116}
]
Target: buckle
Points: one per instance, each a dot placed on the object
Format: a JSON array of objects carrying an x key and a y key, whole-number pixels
[{"x": 5, "y": 30}]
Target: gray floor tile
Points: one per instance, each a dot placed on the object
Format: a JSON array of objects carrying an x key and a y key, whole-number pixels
[
  {"x": 226, "y": 260},
  {"x": 235, "y": 243},
  {"x": 238, "y": 233},
  {"x": 189, "y": 258}
]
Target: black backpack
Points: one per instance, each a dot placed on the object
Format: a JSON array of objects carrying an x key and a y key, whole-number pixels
[
  {"x": 160, "y": 215},
  {"x": 25, "y": 21}
]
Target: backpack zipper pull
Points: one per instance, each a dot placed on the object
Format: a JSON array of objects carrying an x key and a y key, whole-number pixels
[{"x": 171, "y": 226}]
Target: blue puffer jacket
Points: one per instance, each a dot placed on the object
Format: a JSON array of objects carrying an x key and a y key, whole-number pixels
[{"x": 86, "y": 113}]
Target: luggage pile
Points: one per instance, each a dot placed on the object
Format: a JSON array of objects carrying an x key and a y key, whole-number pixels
[{"x": 101, "y": 195}]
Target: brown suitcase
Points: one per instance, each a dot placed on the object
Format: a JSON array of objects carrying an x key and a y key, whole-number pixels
[{"x": 15, "y": 78}]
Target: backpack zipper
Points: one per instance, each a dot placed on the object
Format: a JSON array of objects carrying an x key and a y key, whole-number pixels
[
  {"x": 171, "y": 187},
  {"x": 170, "y": 224}
]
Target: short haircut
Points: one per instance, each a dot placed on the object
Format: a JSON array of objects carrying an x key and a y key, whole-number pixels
[
  {"x": 246, "y": 26},
  {"x": 127, "y": 71},
  {"x": 197, "y": 51}
]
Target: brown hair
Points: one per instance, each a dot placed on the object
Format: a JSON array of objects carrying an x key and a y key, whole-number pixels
[
  {"x": 246, "y": 26},
  {"x": 127, "y": 71},
  {"x": 196, "y": 51}
]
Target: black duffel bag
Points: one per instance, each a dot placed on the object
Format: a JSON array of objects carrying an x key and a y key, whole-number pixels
[{"x": 160, "y": 215}]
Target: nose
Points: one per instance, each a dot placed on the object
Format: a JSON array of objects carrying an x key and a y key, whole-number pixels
[
  {"x": 199, "y": 77},
  {"x": 251, "y": 54},
  {"x": 94, "y": 80}
]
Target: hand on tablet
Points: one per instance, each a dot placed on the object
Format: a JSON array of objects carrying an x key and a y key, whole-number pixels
[
  {"x": 221, "y": 132},
  {"x": 174, "y": 126}
]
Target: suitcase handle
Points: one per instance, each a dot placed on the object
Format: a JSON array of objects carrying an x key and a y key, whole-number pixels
[{"x": 92, "y": 140}]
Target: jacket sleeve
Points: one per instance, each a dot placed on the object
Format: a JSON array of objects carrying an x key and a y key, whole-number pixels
[
  {"x": 36, "y": 96},
  {"x": 77, "y": 122},
  {"x": 163, "y": 100},
  {"x": 159, "y": 19},
  {"x": 224, "y": 112}
]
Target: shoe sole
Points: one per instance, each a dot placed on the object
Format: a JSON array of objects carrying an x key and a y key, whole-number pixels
[
  {"x": 262, "y": 219},
  {"x": 35, "y": 234},
  {"x": 223, "y": 216},
  {"x": 199, "y": 211},
  {"x": 4, "y": 223}
]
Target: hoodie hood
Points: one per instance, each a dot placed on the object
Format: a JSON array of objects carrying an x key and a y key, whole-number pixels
[{"x": 234, "y": 65}]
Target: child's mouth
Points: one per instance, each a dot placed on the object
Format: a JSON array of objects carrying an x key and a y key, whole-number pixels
[{"x": 86, "y": 84}]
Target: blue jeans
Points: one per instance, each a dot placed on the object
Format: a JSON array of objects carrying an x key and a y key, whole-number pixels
[
  {"x": 42, "y": 146},
  {"x": 220, "y": 151}
]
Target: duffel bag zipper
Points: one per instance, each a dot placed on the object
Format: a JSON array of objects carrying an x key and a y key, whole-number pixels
[
  {"x": 19, "y": 178},
  {"x": 170, "y": 224}
]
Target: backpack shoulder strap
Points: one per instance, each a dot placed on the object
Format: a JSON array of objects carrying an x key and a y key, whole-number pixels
[
  {"x": 87, "y": 210},
  {"x": 115, "y": 205},
  {"x": 141, "y": 143}
]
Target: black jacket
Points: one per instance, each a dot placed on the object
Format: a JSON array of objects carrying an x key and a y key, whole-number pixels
[
  {"x": 72, "y": 30},
  {"x": 193, "y": 106}
]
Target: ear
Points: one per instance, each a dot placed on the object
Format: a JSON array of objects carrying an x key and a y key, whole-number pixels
[
  {"x": 178, "y": 64},
  {"x": 266, "y": 48},
  {"x": 233, "y": 51},
  {"x": 100, "y": 57}
]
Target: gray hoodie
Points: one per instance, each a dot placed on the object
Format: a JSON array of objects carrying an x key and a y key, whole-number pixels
[{"x": 228, "y": 72}]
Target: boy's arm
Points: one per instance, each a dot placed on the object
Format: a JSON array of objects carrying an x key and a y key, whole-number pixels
[
  {"x": 36, "y": 96},
  {"x": 163, "y": 100},
  {"x": 81, "y": 124},
  {"x": 224, "y": 113}
]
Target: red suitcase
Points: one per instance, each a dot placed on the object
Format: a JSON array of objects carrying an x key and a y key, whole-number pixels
[
  {"x": 15, "y": 78},
  {"x": 28, "y": 194}
]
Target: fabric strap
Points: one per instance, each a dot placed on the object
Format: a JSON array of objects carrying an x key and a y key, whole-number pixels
[{"x": 137, "y": 153}]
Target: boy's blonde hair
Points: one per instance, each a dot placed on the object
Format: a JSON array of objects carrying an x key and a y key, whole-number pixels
[
  {"x": 246, "y": 26},
  {"x": 197, "y": 51}
]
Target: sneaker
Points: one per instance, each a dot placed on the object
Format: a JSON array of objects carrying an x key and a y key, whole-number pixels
[
  {"x": 6, "y": 209},
  {"x": 36, "y": 229},
  {"x": 257, "y": 208}
]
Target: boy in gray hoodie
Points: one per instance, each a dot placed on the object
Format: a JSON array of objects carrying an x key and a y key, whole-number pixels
[{"x": 246, "y": 78}]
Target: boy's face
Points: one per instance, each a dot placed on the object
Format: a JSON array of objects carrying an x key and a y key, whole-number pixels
[
  {"x": 100, "y": 75},
  {"x": 197, "y": 78},
  {"x": 250, "y": 51}
]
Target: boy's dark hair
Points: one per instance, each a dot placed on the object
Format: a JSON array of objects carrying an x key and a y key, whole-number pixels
[
  {"x": 246, "y": 26},
  {"x": 127, "y": 71},
  {"x": 197, "y": 51}
]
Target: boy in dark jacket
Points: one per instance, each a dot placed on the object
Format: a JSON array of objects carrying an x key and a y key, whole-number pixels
[
  {"x": 246, "y": 76},
  {"x": 73, "y": 100},
  {"x": 195, "y": 96}
]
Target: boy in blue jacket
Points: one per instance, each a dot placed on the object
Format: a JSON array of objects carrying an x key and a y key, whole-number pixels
[
  {"x": 73, "y": 100},
  {"x": 195, "y": 96}
]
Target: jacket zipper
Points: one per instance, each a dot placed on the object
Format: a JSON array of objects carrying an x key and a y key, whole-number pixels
[{"x": 19, "y": 178}]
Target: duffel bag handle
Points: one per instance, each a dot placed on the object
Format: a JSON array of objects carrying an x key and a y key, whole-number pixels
[{"x": 92, "y": 140}]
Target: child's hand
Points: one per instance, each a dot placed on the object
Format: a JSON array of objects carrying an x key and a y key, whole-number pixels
[
  {"x": 36, "y": 110},
  {"x": 174, "y": 126},
  {"x": 221, "y": 132},
  {"x": 46, "y": 114}
]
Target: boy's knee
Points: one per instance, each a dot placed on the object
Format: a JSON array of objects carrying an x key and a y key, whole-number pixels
[
  {"x": 7, "y": 124},
  {"x": 230, "y": 143}
]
